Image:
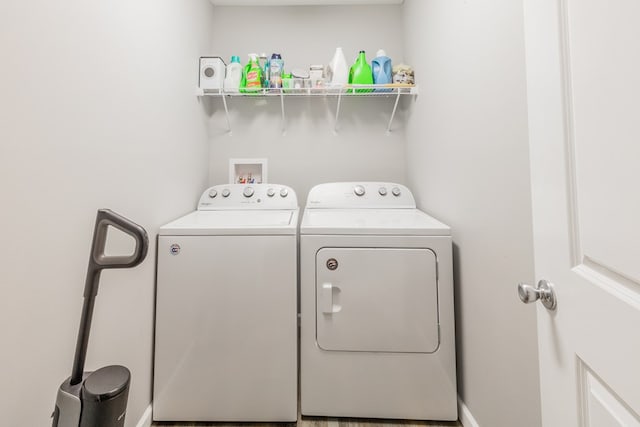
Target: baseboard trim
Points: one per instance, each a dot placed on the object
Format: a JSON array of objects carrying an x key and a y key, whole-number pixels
[
  {"x": 466, "y": 418},
  {"x": 145, "y": 420}
]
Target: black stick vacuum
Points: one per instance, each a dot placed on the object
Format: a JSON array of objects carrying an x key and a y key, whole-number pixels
[{"x": 99, "y": 398}]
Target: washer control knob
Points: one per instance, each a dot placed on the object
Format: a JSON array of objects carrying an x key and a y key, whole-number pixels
[
  {"x": 213, "y": 194},
  {"x": 226, "y": 192},
  {"x": 382, "y": 191},
  {"x": 395, "y": 191},
  {"x": 271, "y": 192},
  {"x": 359, "y": 190},
  {"x": 248, "y": 192},
  {"x": 284, "y": 192}
]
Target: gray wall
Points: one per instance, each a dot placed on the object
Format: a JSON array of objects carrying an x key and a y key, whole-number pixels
[
  {"x": 467, "y": 154},
  {"x": 97, "y": 110},
  {"x": 310, "y": 152}
]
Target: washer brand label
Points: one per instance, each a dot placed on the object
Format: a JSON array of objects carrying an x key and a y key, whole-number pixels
[{"x": 174, "y": 249}]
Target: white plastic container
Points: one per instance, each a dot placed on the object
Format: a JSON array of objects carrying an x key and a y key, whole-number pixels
[
  {"x": 233, "y": 77},
  {"x": 316, "y": 76},
  {"x": 338, "y": 70}
]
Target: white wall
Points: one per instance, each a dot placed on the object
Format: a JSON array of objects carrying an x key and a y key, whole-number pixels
[
  {"x": 97, "y": 110},
  {"x": 310, "y": 152},
  {"x": 468, "y": 165}
]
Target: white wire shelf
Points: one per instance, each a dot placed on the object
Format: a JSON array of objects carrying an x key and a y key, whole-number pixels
[
  {"x": 349, "y": 90},
  {"x": 393, "y": 90}
]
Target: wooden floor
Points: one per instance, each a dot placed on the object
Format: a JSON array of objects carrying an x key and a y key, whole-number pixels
[{"x": 322, "y": 422}]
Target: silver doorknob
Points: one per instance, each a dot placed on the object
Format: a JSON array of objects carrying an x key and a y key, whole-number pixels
[{"x": 543, "y": 292}]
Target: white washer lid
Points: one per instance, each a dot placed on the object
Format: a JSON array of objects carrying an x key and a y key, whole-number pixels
[
  {"x": 225, "y": 222},
  {"x": 372, "y": 221}
]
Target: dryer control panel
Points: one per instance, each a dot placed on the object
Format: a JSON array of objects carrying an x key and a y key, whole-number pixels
[
  {"x": 360, "y": 195},
  {"x": 248, "y": 196}
]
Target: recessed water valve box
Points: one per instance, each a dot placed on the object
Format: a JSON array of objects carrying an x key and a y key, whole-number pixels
[{"x": 247, "y": 171}]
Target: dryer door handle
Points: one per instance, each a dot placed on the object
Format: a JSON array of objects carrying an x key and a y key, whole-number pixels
[{"x": 326, "y": 301}]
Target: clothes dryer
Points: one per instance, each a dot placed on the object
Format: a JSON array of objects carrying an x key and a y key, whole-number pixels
[
  {"x": 377, "y": 327},
  {"x": 226, "y": 308}
]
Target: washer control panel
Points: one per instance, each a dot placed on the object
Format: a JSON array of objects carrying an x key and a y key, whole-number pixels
[
  {"x": 360, "y": 195},
  {"x": 248, "y": 196}
]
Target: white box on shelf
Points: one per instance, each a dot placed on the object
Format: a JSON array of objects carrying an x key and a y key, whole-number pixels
[
  {"x": 247, "y": 171},
  {"x": 212, "y": 71}
]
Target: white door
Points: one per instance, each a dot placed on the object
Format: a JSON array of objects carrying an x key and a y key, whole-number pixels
[{"x": 583, "y": 71}]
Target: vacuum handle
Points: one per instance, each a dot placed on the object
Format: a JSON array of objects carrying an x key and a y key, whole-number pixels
[
  {"x": 99, "y": 261},
  {"x": 99, "y": 258}
]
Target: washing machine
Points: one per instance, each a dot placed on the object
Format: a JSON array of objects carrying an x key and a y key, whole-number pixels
[
  {"x": 377, "y": 313},
  {"x": 226, "y": 308}
]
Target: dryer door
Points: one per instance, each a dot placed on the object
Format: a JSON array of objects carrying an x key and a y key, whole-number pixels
[{"x": 377, "y": 299}]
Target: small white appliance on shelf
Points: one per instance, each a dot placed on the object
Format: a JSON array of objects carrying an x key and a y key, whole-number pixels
[{"x": 212, "y": 69}]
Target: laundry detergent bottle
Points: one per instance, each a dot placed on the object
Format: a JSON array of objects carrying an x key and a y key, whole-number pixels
[
  {"x": 233, "y": 76},
  {"x": 251, "y": 76},
  {"x": 382, "y": 70},
  {"x": 338, "y": 70},
  {"x": 360, "y": 72},
  {"x": 276, "y": 68},
  {"x": 264, "y": 66}
]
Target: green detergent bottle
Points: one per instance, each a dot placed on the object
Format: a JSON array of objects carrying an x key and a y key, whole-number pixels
[
  {"x": 251, "y": 75},
  {"x": 360, "y": 73}
]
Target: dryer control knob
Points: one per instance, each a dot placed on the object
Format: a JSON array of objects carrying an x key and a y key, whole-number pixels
[
  {"x": 284, "y": 192},
  {"x": 271, "y": 192},
  {"x": 395, "y": 191},
  {"x": 213, "y": 194},
  {"x": 248, "y": 192},
  {"x": 359, "y": 190},
  {"x": 382, "y": 191},
  {"x": 226, "y": 192}
]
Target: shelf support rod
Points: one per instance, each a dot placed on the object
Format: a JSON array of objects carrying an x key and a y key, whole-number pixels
[
  {"x": 284, "y": 124},
  {"x": 226, "y": 112},
  {"x": 393, "y": 113},
  {"x": 335, "y": 124}
]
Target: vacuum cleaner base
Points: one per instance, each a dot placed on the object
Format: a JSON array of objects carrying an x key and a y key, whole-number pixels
[{"x": 99, "y": 400}]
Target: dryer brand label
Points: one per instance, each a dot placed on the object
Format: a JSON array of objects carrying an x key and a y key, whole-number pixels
[
  {"x": 332, "y": 263},
  {"x": 174, "y": 249}
]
